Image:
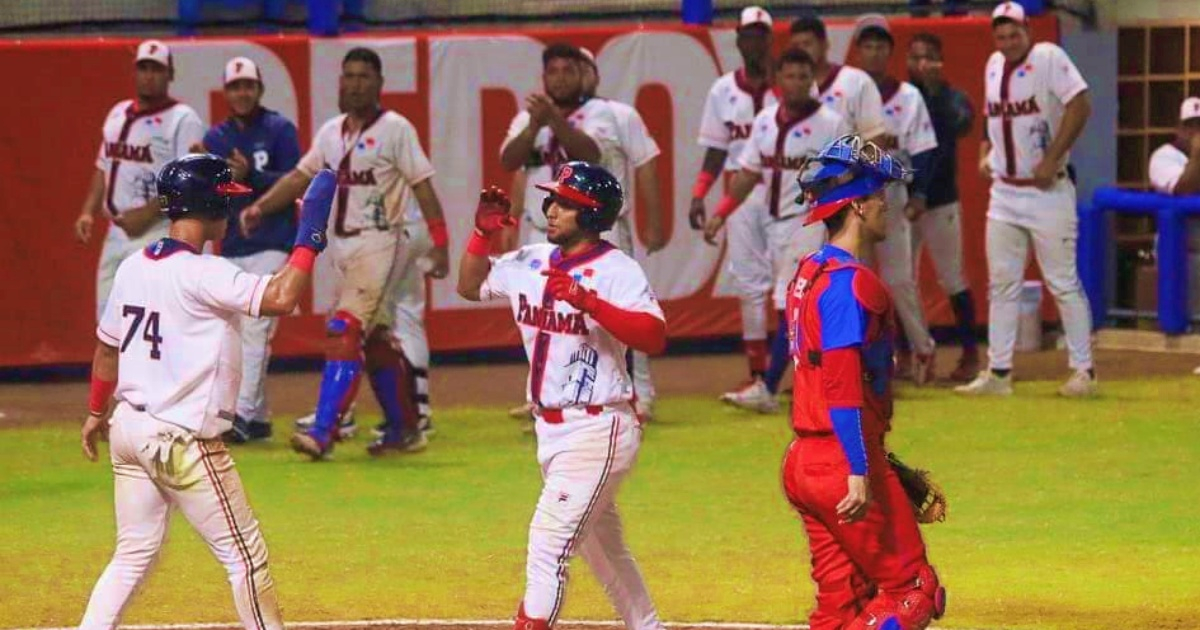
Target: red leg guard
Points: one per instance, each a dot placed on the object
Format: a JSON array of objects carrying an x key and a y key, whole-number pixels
[
  {"x": 343, "y": 338},
  {"x": 523, "y": 622},
  {"x": 382, "y": 353},
  {"x": 914, "y": 609}
]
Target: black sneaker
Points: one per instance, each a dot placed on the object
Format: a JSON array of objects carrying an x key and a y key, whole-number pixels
[{"x": 244, "y": 431}]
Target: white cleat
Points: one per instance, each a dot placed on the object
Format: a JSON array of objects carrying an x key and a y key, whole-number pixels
[
  {"x": 346, "y": 427},
  {"x": 753, "y": 396},
  {"x": 1196, "y": 371},
  {"x": 1080, "y": 385},
  {"x": 986, "y": 383}
]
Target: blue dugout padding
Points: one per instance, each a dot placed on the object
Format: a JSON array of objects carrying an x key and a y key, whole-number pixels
[{"x": 1171, "y": 214}]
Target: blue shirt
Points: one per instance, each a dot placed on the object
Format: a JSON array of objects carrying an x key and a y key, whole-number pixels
[
  {"x": 272, "y": 147},
  {"x": 951, "y": 114}
]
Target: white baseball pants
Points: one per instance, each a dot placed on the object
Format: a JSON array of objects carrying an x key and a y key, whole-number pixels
[
  {"x": 159, "y": 466},
  {"x": 409, "y": 330},
  {"x": 256, "y": 342},
  {"x": 583, "y": 461},
  {"x": 940, "y": 231},
  {"x": 118, "y": 247},
  {"x": 1048, "y": 219},
  {"x": 895, "y": 257},
  {"x": 748, "y": 257}
]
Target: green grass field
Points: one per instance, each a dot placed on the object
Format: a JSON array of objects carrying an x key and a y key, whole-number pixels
[{"x": 1063, "y": 514}]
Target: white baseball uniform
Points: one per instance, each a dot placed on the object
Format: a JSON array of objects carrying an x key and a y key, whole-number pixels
[
  {"x": 853, "y": 94},
  {"x": 728, "y": 118},
  {"x": 410, "y": 304},
  {"x": 777, "y": 151},
  {"x": 173, "y": 316},
  {"x": 377, "y": 168},
  {"x": 1025, "y": 104},
  {"x": 907, "y": 119},
  {"x": 597, "y": 120},
  {"x": 134, "y": 146},
  {"x": 1167, "y": 164},
  {"x": 635, "y": 147},
  {"x": 578, "y": 372}
]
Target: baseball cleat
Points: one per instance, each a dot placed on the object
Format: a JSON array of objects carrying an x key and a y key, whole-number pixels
[
  {"x": 425, "y": 424},
  {"x": 753, "y": 397},
  {"x": 967, "y": 368},
  {"x": 1080, "y": 385},
  {"x": 923, "y": 369},
  {"x": 243, "y": 431},
  {"x": 308, "y": 444},
  {"x": 347, "y": 427},
  {"x": 986, "y": 383},
  {"x": 412, "y": 443}
]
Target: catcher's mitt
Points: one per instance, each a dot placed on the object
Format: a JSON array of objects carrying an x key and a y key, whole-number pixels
[{"x": 927, "y": 498}]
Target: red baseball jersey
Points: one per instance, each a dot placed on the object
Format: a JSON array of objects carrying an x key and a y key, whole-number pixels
[{"x": 834, "y": 304}]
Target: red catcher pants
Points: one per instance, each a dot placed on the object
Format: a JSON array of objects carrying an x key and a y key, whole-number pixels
[{"x": 852, "y": 562}]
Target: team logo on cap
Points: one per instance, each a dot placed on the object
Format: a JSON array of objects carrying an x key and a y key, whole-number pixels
[
  {"x": 237, "y": 67},
  {"x": 565, "y": 173},
  {"x": 153, "y": 48}
]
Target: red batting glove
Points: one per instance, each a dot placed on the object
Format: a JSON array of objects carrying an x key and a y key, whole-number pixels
[
  {"x": 561, "y": 286},
  {"x": 491, "y": 215}
]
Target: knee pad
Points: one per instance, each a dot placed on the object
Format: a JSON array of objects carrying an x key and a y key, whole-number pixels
[{"x": 343, "y": 337}]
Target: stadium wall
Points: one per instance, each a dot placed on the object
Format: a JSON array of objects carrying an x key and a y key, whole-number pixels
[{"x": 460, "y": 90}]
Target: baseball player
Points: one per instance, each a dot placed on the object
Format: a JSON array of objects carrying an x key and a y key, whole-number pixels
[
  {"x": 868, "y": 559},
  {"x": 846, "y": 89},
  {"x": 636, "y": 159},
  {"x": 139, "y": 136},
  {"x": 260, "y": 146},
  {"x": 168, "y": 347},
  {"x": 380, "y": 163},
  {"x": 1175, "y": 170},
  {"x": 579, "y": 303},
  {"x": 939, "y": 227},
  {"x": 1037, "y": 105},
  {"x": 557, "y": 126},
  {"x": 733, "y": 102},
  {"x": 913, "y": 142},
  {"x": 784, "y": 136}
]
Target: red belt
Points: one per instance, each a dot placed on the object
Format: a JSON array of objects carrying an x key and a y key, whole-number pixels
[
  {"x": 555, "y": 416},
  {"x": 814, "y": 434},
  {"x": 1027, "y": 182}
]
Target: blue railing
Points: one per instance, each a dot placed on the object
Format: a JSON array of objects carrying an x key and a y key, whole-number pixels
[{"x": 1171, "y": 214}]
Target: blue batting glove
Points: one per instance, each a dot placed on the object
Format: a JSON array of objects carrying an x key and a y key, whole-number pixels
[{"x": 314, "y": 211}]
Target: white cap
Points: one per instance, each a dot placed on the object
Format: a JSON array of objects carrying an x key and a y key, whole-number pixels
[
  {"x": 241, "y": 68},
  {"x": 1190, "y": 109},
  {"x": 154, "y": 50},
  {"x": 754, "y": 15},
  {"x": 871, "y": 20},
  {"x": 587, "y": 54},
  {"x": 1009, "y": 11}
]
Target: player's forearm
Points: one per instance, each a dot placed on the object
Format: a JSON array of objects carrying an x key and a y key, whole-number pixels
[
  {"x": 841, "y": 380},
  {"x": 743, "y": 182},
  {"x": 1075, "y": 116},
  {"x": 284, "y": 291},
  {"x": 431, "y": 209},
  {"x": 578, "y": 145},
  {"x": 284, "y": 193},
  {"x": 512, "y": 156},
  {"x": 647, "y": 183},
  {"x": 104, "y": 378},
  {"x": 473, "y": 268},
  {"x": 714, "y": 163},
  {"x": 964, "y": 115},
  {"x": 1189, "y": 180},
  {"x": 95, "y": 193},
  {"x": 641, "y": 331}
]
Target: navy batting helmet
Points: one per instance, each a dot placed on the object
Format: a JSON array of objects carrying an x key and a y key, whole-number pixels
[
  {"x": 197, "y": 185},
  {"x": 590, "y": 189}
]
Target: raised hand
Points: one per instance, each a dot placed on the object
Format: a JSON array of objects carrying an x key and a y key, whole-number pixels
[{"x": 492, "y": 213}]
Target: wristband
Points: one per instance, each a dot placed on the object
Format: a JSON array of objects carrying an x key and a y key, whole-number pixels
[
  {"x": 704, "y": 182},
  {"x": 479, "y": 245},
  {"x": 726, "y": 207},
  {"x": 302, "y": 258},
  {"x": 101, "y": 391},
  {"x": 437, "y": 232}
]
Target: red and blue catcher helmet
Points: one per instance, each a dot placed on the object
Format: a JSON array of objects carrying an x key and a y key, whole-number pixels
[
  {"x": 590, "y": 189},
  {"x": 198, "y": 185}
]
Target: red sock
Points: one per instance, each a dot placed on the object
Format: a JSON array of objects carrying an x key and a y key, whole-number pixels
[{"x": 756, "y": 355}]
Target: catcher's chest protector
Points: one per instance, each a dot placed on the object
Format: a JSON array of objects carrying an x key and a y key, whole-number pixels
[{"x": 805, "y": 326}]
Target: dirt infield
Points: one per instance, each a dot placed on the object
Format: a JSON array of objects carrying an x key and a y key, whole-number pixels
[{"x": 294, "y": 393}]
